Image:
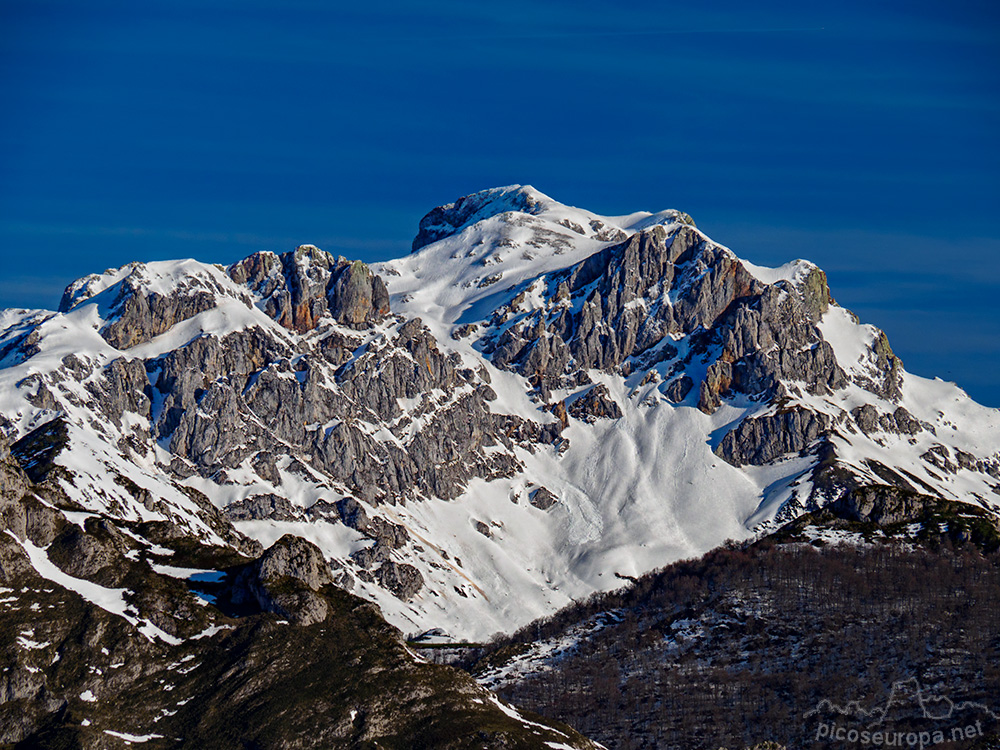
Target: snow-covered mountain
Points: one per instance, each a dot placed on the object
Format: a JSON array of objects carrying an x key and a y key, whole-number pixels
[{"x": 535, "y": 402}]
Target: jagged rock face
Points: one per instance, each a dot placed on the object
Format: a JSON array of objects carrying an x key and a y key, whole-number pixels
[
  {"x": 260, "y": 507},
  {"x": 543, "y": 498},
  {"x": 621, "y": 309},
  {"x": 124, "y": 388},
  {"x": 632, "y": 298},
  {"x": 403, "y": 580},
  {"x": 609, "y": 326},
  {"x": 36, "y": 452},
  {"x": 889, "y": 369},
  {"x": 226, "y": 400},
  {"x": 595, "y": 404},
  {"x": 12, "y": 479},
  {"x": 375, "y": 562},
  {"x": 868, "y": 418},
  {"x": 772, "y": 338},
  {"x": 880, "y": 504},
  {"x": 95, "y": 552},
  {"x": 22, "y": 513},
  {"x": 678, "y": 389},
  {"x": 203, "y": 385},
  {"x": 141, "y": 317},
  {"x": 358, "y": 297},
  {"x": 301, "y": 287},
  {"x": 410, "y": 368},
  {"x": 758, "y": 440}
]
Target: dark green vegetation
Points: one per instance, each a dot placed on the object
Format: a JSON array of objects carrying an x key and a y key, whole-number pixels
[
  {"x": 737, "y": 646},
  {"x": 238, "y": 675}
]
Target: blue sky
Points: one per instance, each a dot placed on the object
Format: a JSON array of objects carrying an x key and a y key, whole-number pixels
[{"x": 862, "y": 136}]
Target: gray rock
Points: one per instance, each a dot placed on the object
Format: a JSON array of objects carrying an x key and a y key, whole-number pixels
[
  {"x": 35, "y": 453},
  {"x": 881, "y": 504},
  {"x": 294, "y": 557},
  {"x": 369, "y": 557},
  {"x": 866, "y": 417},
  {"x": 815, "y": 294},
  {"x": 302, "y": 287},
  {"x": 260, "y": 507},
  {"x": 15, "y": 567},
  {"x": 353, "y": 514},
  {"x": 464, "y": 331},
  {"x": 870, "y": 420},
  {"x": 387, "y": 533},
  {"x": 124, "y": 387},
  {"x": 97, "y": 554},
  {"x": 358, "y": 298},
  {"x": 596, "y": 403},
  {"x": 323, "y": 510},
  {"x": 284, "y": 580},
  {"x": 139, "y": 316},
  {"x": 939, "y": 456},
  {"x": 403, "y": 580},
  {"x": 905, "y": 422},
  {"x": 758, "y": 440},
  {"x": 265, "y": 464},
  {"x": 717, "y": 382},
  {"x": 212, "y": 517},
  {"x": 767, "y": 333},
  {"x": 543, "y": 499},
  {"x": 251, "y": 395},
  {"x": 678, "y": 389},
  {"x": 21, "y": 511},
  {"x": 13, "y": 481}
]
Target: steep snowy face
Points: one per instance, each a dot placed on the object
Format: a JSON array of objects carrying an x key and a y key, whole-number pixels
[{"x": 535, "y": 400}]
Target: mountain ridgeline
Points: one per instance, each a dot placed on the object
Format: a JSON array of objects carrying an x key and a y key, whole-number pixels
[{"x": 535, "y": 404}]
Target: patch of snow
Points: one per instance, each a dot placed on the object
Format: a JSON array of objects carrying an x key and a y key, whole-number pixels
[
  {"x": 513, "y": 713},
  {"x": 130, "y": 738},
  {"x": 851, "y": 341},
  {"x": 210, "y": 631},
  {"x": 27, "y": 643},
  {"x": 192, "y": 574},
  {"x": 791, "y": 272}
]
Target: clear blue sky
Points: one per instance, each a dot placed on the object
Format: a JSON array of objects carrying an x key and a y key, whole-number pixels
[{"x": 863, "y": 137}]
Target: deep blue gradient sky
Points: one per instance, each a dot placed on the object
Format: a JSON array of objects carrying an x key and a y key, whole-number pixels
[{"x": 863, "y": 137}]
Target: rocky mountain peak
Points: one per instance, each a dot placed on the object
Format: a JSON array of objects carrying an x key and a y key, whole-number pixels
[
  {"x": 140, "y": 301},
  {"x": 452, "y": 218},
  {"x": 524, "y": 206},
  {"x": 298, "y": 288}
]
